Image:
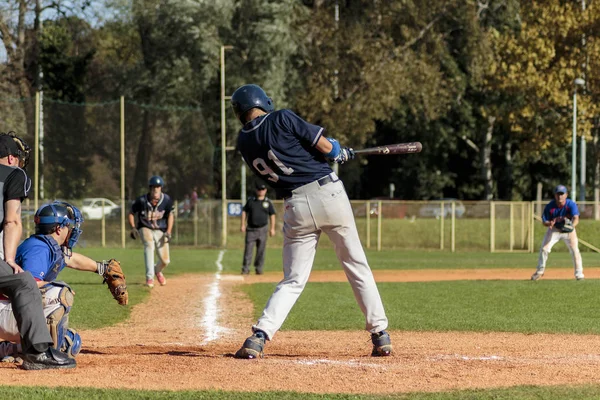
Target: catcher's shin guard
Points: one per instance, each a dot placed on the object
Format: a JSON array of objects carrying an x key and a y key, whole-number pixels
[
  {"x": 60, "y": 299},
  {"x": 253, "y": 346},
  {"x": 72, "y": 343},
  {"x": 382, "y": 344}
]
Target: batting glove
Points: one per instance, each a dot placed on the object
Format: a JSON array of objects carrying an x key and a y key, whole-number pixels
[
  {"x": 134, "y": 233},
  {"x": 167, "y": 237},
  {"x": 346, "y": 154}
]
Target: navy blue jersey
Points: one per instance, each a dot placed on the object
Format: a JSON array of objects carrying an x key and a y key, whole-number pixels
[
  {"x": 552, "y": 210},
  {"x": 153, "y": 217},
  {"x": 280, "y": 148}
]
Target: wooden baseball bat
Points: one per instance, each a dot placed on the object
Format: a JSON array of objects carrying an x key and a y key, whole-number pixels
[{"x": 398, "y": 148}]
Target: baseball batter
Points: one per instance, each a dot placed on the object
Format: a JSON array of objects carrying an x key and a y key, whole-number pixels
[
  {"x": 292, "y": 156},
  {"x": 556, "y": 212}
]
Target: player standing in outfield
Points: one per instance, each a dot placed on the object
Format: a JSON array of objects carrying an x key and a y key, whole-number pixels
[
  {"x": 154, "y": 212},
  {"x": 292, "y": 156},
  {"x": 561, "y": 216},
  {"x": 258, "y": 213},
  {"x": 14, "y": 155}
]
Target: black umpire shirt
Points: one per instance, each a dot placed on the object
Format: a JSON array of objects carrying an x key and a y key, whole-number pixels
[
  {"x": 258, "y": 212},
  {"x": 14, "y": 184}
]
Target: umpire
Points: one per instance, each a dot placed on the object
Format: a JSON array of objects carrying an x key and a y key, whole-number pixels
[{"x": 257, "y": 214}]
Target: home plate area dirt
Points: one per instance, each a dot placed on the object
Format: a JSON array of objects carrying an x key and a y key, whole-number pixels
[{"x": 178, "y": 341}]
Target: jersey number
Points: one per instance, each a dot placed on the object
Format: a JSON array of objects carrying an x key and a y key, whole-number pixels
[{"x": 261, "y": 166}]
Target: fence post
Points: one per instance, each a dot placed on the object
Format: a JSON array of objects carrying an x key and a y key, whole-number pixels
[
  {"x": 442, "y": 225},
  {"x": 531, "y": 230},
  {"x": 523, "y": 226},
  {"x": 368, "y": 214},
  {"x": 379, "y": 215},
  {"x": 492, "y": 227},
  {"x": 196, "y": 226},
  {"x": 175, "y": 222},
  {"x": 453, "y": 243},
  {"x": 511, "y": 227},
  {"x": 103, "y": 224}
]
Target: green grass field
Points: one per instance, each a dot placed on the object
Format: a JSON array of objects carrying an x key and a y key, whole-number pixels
[
  {"x": 582, "y": 392},
  {"x": 562, "y": 306}
]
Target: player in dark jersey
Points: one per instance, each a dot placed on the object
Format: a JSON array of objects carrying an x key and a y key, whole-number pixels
[
  {"x": 154, "y": 212},
  {"x": 293, "y": 156},
  {"x": 14, "y": 156}
]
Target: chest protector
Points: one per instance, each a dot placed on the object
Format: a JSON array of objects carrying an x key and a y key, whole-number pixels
[{"x": 57, "y": 256}]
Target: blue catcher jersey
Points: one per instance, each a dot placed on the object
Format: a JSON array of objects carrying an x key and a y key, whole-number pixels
[
  {"x": 280, "y": 148},
  {"x": 552, "y": 210},
  {"x": 153, "y": 217},
  {"x": 41, "y": 256}
]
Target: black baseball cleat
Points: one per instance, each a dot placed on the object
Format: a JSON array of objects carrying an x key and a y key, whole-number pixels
[
  {"x": 49, "y": 359},
  {"x": 382, "y": 344},
  {"x": 253, "y": 346}
]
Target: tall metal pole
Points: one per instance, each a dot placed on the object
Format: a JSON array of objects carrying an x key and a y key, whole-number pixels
[
  {"x": 122, "y": 134},
  {"x": 223, "y": 152},
  {"x": 36, "y": 163},
  {"x": 574, "y": 150},
  {"x": 582, "y": 172},
  {"x": 582, "y": 177}
]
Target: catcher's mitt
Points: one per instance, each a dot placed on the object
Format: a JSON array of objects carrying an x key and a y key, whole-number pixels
[{"x": 115, "y": 279}]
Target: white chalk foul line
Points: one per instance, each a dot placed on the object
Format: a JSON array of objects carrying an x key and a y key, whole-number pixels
[
  {"x": 348, "y": 363},
  {"x": 211, "y": 308}
]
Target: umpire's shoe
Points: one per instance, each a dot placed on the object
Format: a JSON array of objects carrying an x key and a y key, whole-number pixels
[
  {"x": 49, "y": 359},
  {"x": 253, "y": 346},
  {"x": 382, "y": 344}
]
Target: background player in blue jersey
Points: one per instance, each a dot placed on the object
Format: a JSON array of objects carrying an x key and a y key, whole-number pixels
[
  {"x": 44, "y": 255},
  {"x": 292, "y": 156},
  {"x": 555, "y": 213},
  {"x": 154, "y": 213}
]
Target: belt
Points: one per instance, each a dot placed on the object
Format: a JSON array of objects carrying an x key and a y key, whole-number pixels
[{"x": 327, "y": 179}]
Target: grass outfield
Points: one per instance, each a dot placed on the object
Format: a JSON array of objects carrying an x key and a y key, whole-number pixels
[
  {"x": 94, "y": 308},
  {"x": 561, "y": 306},
  {"x": 514, "y": 393}
]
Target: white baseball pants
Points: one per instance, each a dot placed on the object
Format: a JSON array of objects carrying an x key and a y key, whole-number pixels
[
  {"x": 552, "y": 237},
  {"x": 8, "y": 324},
  {"x": 153, "y": 239},
  {"x": 313, "y": 209}
]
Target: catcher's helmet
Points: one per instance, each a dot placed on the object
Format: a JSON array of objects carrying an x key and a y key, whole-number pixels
[
  {"x": 156, "y": 181},
  {"x": 59, "y": 214},
  {"x": 248, "y": 97}
]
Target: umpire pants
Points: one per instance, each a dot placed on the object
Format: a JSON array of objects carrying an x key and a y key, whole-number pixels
[
  {"x": 26, "y": 302},
  {"x": 256, "y": 236}
]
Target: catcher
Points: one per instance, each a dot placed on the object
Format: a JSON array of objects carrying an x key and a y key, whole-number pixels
[
  {"x": 44, "y": 254},
  {"x": 561, "y": 216}
]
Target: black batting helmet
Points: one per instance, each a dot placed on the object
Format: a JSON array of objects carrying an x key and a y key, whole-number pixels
[
  {"x": 156, "y": 181},
  {"x": 248, "y": 97}
]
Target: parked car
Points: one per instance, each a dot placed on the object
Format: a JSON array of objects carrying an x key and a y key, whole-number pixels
[
  {"x": 92, "y": 207},
  {"x": 434, "y": 208}
]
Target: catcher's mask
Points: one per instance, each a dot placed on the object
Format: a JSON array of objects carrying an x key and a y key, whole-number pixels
[
  {"x": 59, "y": 214},
  {"x": 247, "y": 97}
]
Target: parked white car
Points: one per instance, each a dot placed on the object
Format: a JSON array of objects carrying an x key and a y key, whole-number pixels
[{"x": 92, "y": 207}]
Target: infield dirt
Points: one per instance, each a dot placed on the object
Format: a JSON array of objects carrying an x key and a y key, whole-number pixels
[{"x": 164, "y": 346}]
